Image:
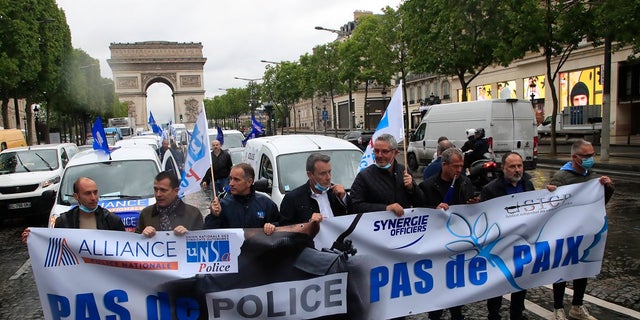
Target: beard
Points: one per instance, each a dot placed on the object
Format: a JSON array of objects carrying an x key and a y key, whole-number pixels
[{"x": 515, "y": 178}]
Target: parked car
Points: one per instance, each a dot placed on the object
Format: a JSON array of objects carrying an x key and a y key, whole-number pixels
[
  {"x": 280, "y": 161},
  {"x": 359, "y": 138},
  {"x": 124, "y": 177},
  {"x": 26, "y": 173}
]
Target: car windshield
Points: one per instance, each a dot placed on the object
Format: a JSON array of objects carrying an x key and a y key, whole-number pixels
[
  {"x": 116, "y": 179},
  {"x": 231, "y": 140},
  {"x": 28, "y": 161},
  {"x": 293, "y": 173}
]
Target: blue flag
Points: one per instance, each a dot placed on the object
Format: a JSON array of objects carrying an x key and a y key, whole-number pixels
[
  {"x": 99, "y": 136},
  {"x": 154, "y": 126},
  {"x": 220, "y": 136},
  {"x": 449, "y": 196},
  {"x": 256, "y": 130}
]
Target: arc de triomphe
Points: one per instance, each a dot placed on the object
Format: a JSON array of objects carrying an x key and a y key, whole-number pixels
[{"x": 138, "y": 65}]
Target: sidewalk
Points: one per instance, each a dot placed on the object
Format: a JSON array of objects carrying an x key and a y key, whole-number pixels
[{"x": 622, "y": 156}]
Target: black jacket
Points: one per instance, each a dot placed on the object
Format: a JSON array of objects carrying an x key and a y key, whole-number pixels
[
  {"x": 105, "y": 220},
  {"x": 375, "y": 188},
  {"x": 297, "y": 206},
  {"x": 221, "y": 166},
  {"x": 250, "y": 211},
  {"x": 435, "y": 190},
  {"x": 498, "y": 187}
]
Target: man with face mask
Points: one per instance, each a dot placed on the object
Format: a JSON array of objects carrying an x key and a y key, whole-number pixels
[
  {"x": 513, "y": 180},
  {"x": 576, "y": 171},
  {"x": 386, "y": 185},
  {"x": 88, "y": 214},
  {"x": 317, "y": 198}
]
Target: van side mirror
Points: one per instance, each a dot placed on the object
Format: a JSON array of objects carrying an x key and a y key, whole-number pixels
[{"x": 263, "y": 185}]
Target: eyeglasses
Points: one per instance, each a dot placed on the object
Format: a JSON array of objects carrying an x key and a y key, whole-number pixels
[{"x": 380, "y": 151}]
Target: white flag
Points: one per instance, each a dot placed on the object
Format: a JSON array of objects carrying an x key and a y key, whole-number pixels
[
  {"x": 198, "y": 158},
  {"x": 392, "y": 122}
]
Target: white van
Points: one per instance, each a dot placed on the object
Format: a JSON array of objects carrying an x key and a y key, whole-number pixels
[
  {"x": 509, "y": 124},
  {"x": 124, "y": 177},
  {"x": 281, "y": 161},
  {"x": 26, "y": 173}
]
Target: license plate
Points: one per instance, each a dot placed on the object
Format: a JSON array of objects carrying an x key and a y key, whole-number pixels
[{"x": 20, "y": 205}]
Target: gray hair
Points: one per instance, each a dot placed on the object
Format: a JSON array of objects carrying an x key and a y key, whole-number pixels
[
  {"x": 393, "y": 144},
  {"x": 576, "y": 146},
  {"x": 447, "y": 155},
  {"x": 315, "y": 157},
  {"x": 247, "y": 170}
]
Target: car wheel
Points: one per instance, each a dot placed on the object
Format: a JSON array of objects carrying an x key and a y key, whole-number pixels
[{"x": 412, "y": 162}]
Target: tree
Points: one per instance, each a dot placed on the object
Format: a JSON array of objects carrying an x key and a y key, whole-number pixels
[
  {"x": 462, "y": 38},
  {"x": 19, "y": 54},
  {"x": 616, "y": 25},
  {"x": 328, "y": 75},
  {"x": 558, "y": 29},
  {"x": 282, "y": 85},
  {"x": 364, "y": 57}
]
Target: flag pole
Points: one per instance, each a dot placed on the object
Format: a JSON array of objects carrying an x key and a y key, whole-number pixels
[
  {"x": 404, "y": 145},
  {"x": 213, "y": 183}
]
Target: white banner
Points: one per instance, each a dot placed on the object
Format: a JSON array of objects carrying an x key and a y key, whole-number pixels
[{"x": 426, "y": 260}]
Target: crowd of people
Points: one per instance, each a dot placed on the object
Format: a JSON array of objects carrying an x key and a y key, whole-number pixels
[{"x": 384, "y": 186}]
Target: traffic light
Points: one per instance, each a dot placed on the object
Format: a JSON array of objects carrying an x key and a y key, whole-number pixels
[{"x": 181, "y": 117}]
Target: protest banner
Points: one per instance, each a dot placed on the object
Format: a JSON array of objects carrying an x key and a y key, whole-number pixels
[{"x": 425, "y": 260}]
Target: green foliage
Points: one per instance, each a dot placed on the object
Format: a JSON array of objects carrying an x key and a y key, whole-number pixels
[{"x": 463, "y": 37}]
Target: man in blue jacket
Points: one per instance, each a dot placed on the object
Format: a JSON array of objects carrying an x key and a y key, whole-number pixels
[{"x": 243, "y": 208}]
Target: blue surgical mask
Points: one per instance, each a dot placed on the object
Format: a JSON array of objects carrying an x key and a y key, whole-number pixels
[
  {"x": 87, "y": 210},
  {"x": 588, "y": 163},
  {"x": 386, "y": 166},
  {"x": 321, "y": 188}
]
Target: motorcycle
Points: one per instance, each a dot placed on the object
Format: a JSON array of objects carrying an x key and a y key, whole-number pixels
[{"x": 482, "y": 172}]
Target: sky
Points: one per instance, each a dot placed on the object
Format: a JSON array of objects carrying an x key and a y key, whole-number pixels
[{"x": 235, "y": 34}]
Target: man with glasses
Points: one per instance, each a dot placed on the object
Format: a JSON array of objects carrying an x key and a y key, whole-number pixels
[
  {"x": 386, "y": 185},
  {"x": 576, "y": 171}
]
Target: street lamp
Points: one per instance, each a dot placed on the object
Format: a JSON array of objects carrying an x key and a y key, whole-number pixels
[
  {"x": 35, "y": 115},
  {"x": 269, "y": 62},
  {"x": 340, "y": 33},
  {"x": 251, "y": 84},
  {"x": 248, "y": 79}
]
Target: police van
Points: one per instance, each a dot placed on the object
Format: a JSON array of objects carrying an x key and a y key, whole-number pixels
[
  {"x": 280, "y": 161},
  {"x": 124, "y": 178}
]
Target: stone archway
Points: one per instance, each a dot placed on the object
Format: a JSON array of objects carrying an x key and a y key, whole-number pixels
[{"x": 136, "y": 66}]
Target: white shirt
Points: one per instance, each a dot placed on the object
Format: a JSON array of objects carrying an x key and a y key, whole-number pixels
[{"x": 323, "y": 203}]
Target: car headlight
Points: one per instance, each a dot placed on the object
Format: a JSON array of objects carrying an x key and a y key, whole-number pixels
[{"x": 51, "y": 181}]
